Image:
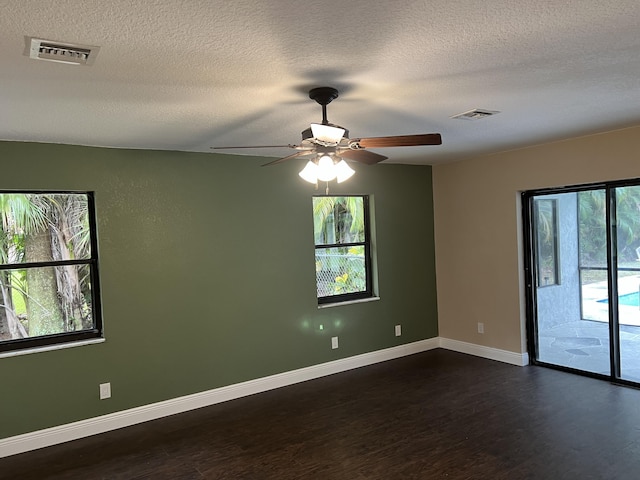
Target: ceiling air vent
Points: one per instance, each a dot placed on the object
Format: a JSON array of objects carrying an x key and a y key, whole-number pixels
[
  {"x": 475, "y": 114},
  {"x": 70, "y": 53}
]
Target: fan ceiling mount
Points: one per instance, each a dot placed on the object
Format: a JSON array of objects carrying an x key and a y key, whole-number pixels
[{"x": 331, "y": 143}]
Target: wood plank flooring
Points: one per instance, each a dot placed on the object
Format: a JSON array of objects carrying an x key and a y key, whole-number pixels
[{"x": 433, "y": 415}]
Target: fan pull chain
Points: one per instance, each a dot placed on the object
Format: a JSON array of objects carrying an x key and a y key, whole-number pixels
[{"x": 326, "y": 192}]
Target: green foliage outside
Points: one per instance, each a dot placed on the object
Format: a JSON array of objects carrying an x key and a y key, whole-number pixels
[
  {"x": 354, "y": 279},
  {"x": 546, "y": 240},
  {"x": 38, "y": 299},
  {"x": 19, "y": 291},
  {"x": 593, "y": 227},
  {"x": 339, "y": 220}
]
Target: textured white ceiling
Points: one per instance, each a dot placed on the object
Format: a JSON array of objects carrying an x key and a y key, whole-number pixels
[{"x": 189, "y": 74}]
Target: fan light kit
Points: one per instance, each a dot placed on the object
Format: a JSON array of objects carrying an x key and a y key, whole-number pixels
[
  {"x": 326, "y": 169},
  {"x": 330, "y": 145}
]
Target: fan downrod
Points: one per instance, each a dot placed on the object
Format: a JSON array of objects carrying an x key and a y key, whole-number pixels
[{"x": 323, "y": 95}]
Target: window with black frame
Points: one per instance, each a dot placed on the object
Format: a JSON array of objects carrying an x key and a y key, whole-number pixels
[
  {"x": 546, "y": 241},
  {"x": 48, "y": 269},
  {"x": 342, "y": 248}
]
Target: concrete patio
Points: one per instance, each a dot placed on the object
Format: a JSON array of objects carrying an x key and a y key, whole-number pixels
[{"x": 584, "y": 344}]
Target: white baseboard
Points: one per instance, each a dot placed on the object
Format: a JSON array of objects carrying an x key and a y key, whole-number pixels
[
  {"x": 105, "y": 423},
  {"x": 93, "y": 426},
  {"x": 505, "y": 356}
]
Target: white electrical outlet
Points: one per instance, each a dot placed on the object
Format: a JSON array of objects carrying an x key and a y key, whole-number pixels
[
  {"x": 105, "y": 390},
  {"x": 398, "y": 330},
  {"x": 480, "y": 327},
  {"x": 334, "y": 342}
]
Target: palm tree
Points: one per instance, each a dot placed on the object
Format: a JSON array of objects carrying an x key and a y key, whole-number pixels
[
  {"x": 339, "y": 220},
  {"x": 19, "y": 218},
  {"x": 348, "y": 211},
  {"x": 592, "y": 227},
  {"x": 43, "y": 228},
  {"x": 628, "y": 221},
  {"x": 69, "y": 233}
]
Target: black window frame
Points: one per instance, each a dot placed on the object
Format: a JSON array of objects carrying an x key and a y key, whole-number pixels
[
  {"x": 65, "y": 338},
  {"x": 555, "y": 244},
  {"x": 366, "y": 243}
]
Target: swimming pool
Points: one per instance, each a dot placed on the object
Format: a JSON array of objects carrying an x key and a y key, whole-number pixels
[{"x": 628, "y": 299}]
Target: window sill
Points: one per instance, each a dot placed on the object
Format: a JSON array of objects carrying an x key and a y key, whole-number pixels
[
  {"x": 48, "y": 348},
  {"x": 349, "y": 302}
]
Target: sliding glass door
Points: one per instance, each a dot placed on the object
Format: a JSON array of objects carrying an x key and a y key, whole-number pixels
[
  {"x": 627, "y": 233},
  {"x": 583, "y": 277}
]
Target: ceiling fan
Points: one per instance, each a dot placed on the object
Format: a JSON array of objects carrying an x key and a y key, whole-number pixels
[{"x": 330, "y": 145}]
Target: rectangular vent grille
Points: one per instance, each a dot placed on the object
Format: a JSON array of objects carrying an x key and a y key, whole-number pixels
[
  {"x": 40, "y": 49},
  {"x": 475, "y": 114}
]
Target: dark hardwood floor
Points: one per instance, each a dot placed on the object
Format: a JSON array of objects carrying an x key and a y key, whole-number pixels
[{"x": 437, "y": 414}]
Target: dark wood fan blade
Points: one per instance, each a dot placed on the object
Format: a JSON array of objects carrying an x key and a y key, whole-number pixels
[
  {"x": 289, "y": 157},
  {"x": 400, "y": 141},
  {"x": 256, "y": 146},
  {"x": 362, "y": 156}
]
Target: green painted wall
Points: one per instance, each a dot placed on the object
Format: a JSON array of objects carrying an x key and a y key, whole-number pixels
[{"x": 208, "y": 279}]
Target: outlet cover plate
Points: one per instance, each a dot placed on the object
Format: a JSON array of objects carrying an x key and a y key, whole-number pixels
[{"x": 105, "y": 391}]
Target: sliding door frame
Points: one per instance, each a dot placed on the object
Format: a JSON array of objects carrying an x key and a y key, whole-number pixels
[{"x": 530, "y": 274}]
